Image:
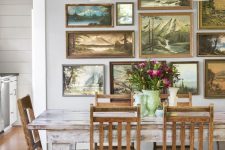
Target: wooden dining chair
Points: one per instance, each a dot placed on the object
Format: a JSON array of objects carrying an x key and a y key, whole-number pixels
[
  {"x": 191, "y": 118},
  {"x": 115, "y": 100},
  {"x": 27, "y": 115},
  {"x": 111, "y": 120}
]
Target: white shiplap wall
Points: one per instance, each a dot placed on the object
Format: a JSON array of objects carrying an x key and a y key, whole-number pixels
[{"x": 15, "y": 42}]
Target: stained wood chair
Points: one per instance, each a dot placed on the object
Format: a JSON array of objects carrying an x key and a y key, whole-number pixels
[
  {"x": 115, "y": 100},
  {"x": 191, "y": 118},
  {"x": 113, "y": 122},
  {"x": 26, "y": 116}
]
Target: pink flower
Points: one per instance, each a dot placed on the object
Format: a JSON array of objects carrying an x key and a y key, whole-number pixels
[
  {"x": 166, "y": 82},
  {"x": 142, "y": 65},
  {"x": 154, "y": 73}
]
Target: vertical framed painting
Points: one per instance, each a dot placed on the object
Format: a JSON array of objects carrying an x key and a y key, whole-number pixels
[
  {"x": 211, "y": 14},
  {"x": 89, "y": 15},
  {"x": 124, "y": 13},
  {"x": 165, "y": 34},
  {"x": 211, "y": 44},
  {"x": 83, "y": 80},
  {"x": 215, "y": 78},
  {"x": 189, "y": 77},
  {"x": 164, "y": 4},
  {"x": 100, "y": 44}
]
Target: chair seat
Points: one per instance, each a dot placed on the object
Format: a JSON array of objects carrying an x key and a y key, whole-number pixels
[
  {"x": 159, "y": 147},
  {"x": 115, "y": 148}
]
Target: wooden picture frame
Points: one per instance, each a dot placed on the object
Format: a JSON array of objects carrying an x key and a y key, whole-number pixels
[
  {"x": 167, "y": 42},
  {"x": 79, "y": 15},
  {"x": 83, "y": 79},
  {"x": 211, "y": 44},
  {"x": 158, "y": 5},
  {"x": 189, "y": 77},
  {"x": 211, "y": 15},
  {"x": 124, "y": 13},
  {"x": 100, "y": 44},
  {"x": 214, "y": 78}
]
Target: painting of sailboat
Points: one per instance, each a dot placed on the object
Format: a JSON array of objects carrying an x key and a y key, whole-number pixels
[
  {"x": 83, "y": 80},
  {"x": 165, "y": 35}
]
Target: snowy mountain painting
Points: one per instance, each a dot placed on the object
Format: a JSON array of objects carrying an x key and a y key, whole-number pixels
[
  {"x": 165, "y": 35},
  {"x": 89, "y": 15},
  {"x": 88, "y": 44}
]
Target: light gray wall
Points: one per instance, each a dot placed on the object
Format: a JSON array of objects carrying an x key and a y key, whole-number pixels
[
  {"x": 56, "y": 56},
  {"x": 15, "y": 41}
]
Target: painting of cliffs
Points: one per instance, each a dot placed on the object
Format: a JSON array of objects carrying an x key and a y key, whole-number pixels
[{"x": 166, "y": 35}]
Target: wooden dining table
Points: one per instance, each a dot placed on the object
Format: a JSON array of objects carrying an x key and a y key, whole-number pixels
[{"x": 65, "y": 128}]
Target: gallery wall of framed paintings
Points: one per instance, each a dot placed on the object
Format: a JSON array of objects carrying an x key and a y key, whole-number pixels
[{"x": 114, "y": 34}]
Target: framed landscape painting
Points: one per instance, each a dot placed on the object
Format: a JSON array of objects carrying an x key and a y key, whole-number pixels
[
  {"x": 124, "y": 13},
  {"x": 165, "y": 34},
  {"x": 89, "y": 15},
  {"x": 100, "y": 44},
  {"x": 215, "y": 78},
  {"x": 83, "y": 80},
  {"x": 165, "y": 4},
  {"x": 211, "y": 44},
  {"x": 211, "y": 14},
  {"x": 189, "y": 77}
]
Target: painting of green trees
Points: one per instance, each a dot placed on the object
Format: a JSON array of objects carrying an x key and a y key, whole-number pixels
[
  {"x": 211, "y": 14},
  {"x": 165, "y": 35}
]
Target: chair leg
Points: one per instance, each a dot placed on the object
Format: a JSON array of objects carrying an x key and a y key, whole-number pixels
[
  {"x": 218, "y": 145},
  {"x": 154, "y": 146}
]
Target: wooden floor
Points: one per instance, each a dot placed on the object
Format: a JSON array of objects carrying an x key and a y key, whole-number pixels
[{"x": 13, "y": 139}]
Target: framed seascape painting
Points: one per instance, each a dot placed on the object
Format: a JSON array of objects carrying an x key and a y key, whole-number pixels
[
  {"x": 100, "y": 44},
  {"x": 89, "y": 15},
  {"x": 211, "y": 14},
  {"x": 165, "y": 4},
  {"x": 165, "y": 34},
  {"x": 124, "y": 13},
  {"x": 189, "y": 77},
  {"x": 215, "y": 78},
  {"x": 83, "y": 80},
  {"x": 211, "y": 44}
]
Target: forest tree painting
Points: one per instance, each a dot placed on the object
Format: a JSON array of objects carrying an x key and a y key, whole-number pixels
[
  {"x": 188, "y": 77},
  {"x": 211, "y": 14},
  {"x": 164, "y": 4},
  {"x": 96, "y": 44},
  {"x": 214, "y": 78},
  {"x": 88, "y": 15},
  {"x": 211, "y": 44},
  {"x": 165, "y": 34},
  {"x": 83, "y": 80}
]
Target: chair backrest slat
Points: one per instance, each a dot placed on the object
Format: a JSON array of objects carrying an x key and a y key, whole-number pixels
[
  {"x": 26, "y": 116},
  {"x": 192, "y": 117},
  {"x": 106, "y": 117},
  {"x": 115, "y": 100}
]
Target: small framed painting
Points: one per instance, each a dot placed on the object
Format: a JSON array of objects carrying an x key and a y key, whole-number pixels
[
  {"x": 164, "y": 4},
  {"x": 124, "y": 13},
  {"x": 211, "y": 44},
  {"x": 211, "y": 14},
  {"x": 165, "y": 35},
  {"x": 89, "y": 15},
  {"x": 215, "y": 78},
  {"x": 100, "y": 44},
  {"x": 83, "y": 80},
  {"x": 189, "y": 77}
]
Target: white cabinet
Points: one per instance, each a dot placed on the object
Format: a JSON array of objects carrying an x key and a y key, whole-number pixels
[{"x": 13, "y": 99}]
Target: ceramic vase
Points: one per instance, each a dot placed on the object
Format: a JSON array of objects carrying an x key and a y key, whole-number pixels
[{"x": 173, "y": 96}]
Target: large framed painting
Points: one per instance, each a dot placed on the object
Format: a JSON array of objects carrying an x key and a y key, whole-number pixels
[
  {"x": 164, "y": 4},
  {"x": 165, "y": 34},
  {"x": 211, "y": 44},
  {"x": 89, "y": 15},
  {"x": 189, "y": 77},
  {"x": 124, "y": 13},
  {"x": 215, "y": 78},
  {"x": 83, "y": 79},
  {"x": 100, "y": 44},
  {"x": 211, "y": 14},
  {"x": 119, "y": 72}
]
